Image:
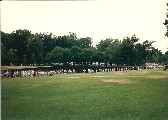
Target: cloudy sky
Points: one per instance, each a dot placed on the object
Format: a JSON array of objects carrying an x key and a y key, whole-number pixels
[{"x": 98, "y": 19}]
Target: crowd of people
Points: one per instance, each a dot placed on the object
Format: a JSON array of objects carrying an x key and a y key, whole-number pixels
[
  {"x": 33, "y": 73},
  {"x": 45, "y": 73}
]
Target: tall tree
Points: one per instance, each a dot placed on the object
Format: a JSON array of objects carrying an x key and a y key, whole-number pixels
[
  {"x": 166, "y": 22},
  {"x": 24, "y": 59},
  {"x": 66, "y": 56},
  {"x": 67, "y": 41},
  {"x": 57, "y": 55},
  {"x": 75, "y": 53},
  {"x": 47, "y": 58},
  {"x": 166, "y": 34},
  {"x": 3, "y": 54},
  {"x": 19, "y": 41},
  {"x": 85, "y": 42},
  {"x": 104, "y": 49},
  {"x": 35, "y": 46},
  {"x": 48, "y": 41},
  {"x": 11, "y": 56},
  {"x": 33, "y": 59},
  {"x": 126, "y": 54},
  {"x": 5, "y": 40},
  {"x": 86, "y": 55}
]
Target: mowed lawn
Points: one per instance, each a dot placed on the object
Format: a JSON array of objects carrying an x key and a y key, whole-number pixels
[{"x": 128, "y": 95}]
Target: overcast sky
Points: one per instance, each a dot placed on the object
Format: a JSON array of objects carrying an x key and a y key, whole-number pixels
[{"x": 99, "y": 19}]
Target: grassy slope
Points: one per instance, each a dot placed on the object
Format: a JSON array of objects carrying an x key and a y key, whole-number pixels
[{"x": 86, "y": 97}]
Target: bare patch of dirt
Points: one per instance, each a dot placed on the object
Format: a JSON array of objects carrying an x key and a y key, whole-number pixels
[
  {"x": 158, "y": 76},
  {"x": 119, "y": 81}
]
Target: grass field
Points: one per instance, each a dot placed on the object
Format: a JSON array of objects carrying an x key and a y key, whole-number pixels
[{"x": 128, "y": 95}]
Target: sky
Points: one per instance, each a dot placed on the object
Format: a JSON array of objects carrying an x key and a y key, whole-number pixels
[{"x": 98, "y": 19}]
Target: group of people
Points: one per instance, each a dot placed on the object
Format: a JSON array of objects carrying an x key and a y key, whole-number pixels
[
  {"x": 45, "y": 73},
  {"x": 33, "y": 73}
]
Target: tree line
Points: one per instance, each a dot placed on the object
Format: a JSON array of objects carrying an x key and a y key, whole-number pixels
[{"x": 24, "y": 47}]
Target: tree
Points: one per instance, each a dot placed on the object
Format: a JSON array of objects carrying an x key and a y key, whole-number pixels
[
  {"x": 57, "y": 55},
  {"x": 5, "y": 48},
  {"x": 67, "y": 41},
  {"x": 35, "y": 46},
  {"x": 47, "y": 59},
  {"x": 33, "y": 59},
  {"x": 40, "y": 58},
  {"x": 105, "y": 49},
  {"x": 24, "y": 59},
  {"x": 166, "y": 34},
  {"x": 149, "y": 50},
  {"x": 104, "y": 44},
  {"x": 165, "y": 57},
  {"x": 140, "y": 54},
  {"x": 86, "y": 55},
  {"x": 158, "y": 56},
  {"x": 18, "y": 42},
  {"x": 3, "y": 54},
  {"x": 98, "y": 57},
  {"x": 165, "y": 60},
  {"x": 126, "y": 53},
  {"x": 11, "y": 56},
  {"x": 166, "y": 22},
  {"x": 5, "y": 40},
  {"x": 66, "y": 56},
  {"x": 85, "y": 42},
  {"x": 75, "y": 53}
]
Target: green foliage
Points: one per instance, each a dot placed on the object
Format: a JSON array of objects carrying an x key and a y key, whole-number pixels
[
  {"x": 75, "y": 53},
  {"x": 40, "y": 58},
  {"x": 86, "y": 55},
  {"x": 166, "y": 22},
  {"x": 85, "y": 42},
  {"x": 57, "y": 54},
  {"x": 24, "y": 60},
  {"x": 19, "y": 41},
  {"x": 33, "y": 58},
  {"x": 11, "y": 56},
  {"x": 23, "y": 47},
  {"x": 48, "y": 58},
  {"x": 127, "y": 51},
  {"x": 165, "y": 58}
]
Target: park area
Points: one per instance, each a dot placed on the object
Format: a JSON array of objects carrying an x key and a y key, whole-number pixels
[{"x": 122, "y": 95}]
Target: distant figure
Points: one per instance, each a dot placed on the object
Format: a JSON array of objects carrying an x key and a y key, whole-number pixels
[
  {"x": 9, "y": 76},
  {"x": 34, "y": 74}
]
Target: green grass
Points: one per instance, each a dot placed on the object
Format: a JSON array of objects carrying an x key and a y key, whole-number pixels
[{"x": 86, "y": 97}]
